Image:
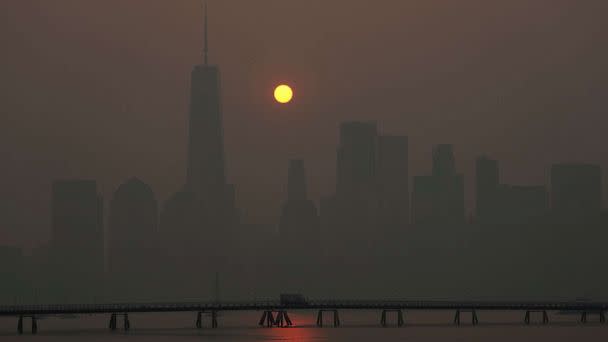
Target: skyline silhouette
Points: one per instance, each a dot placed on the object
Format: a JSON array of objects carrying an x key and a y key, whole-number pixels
[{"x": 381, "y": 226}]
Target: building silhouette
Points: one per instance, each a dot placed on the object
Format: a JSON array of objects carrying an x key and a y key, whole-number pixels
[
  {"x": 392, "y": 181},
  {"x": 206, "y": 177},
  {"x": 498, "y": 203},
  {"x": 206, "y": 161},
  {"x": 183, "y": 241},
  {"x": 299, "y": 223},
  {"x": 299, "y": 244},
  {"x": 439, "y": 198},
  {"x": 13, "y": 274},
  {"x": 576, "y": 191},
  {"x": 132, "y": 239},
  {"x": 487, "y": 184},
  {"x": 194, "y": 242},
  {"x": 77, "y": 239},
  {"x": 351, "y": 212},
  {"x": 444, "y": 162},
  {"x": 368, "y": 214},
  {"x": 356, "y": 168},
  {"x": 198, "y": 222}
]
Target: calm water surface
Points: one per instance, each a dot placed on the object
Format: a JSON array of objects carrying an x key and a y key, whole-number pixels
[{"x": 357, "y": 326}]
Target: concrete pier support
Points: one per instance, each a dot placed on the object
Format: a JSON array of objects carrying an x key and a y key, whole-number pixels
[
  {"x": 281, "y": 319},
  {"x": 601, "y": 314},
  {"x": 199, "y": 320},
  {"x": 400, "y": 320},
  {"x": 112, "y": 324},
  {"x": 529, "y": 313},
  {"x": 127, "y": 323},
  {"x": 214, "y": 324},
  {"x": 474, "y": 319},
  {"x": 287, "y": 319},
  {"x": 336, "y": 318},
  {"x": 34, "y": 325},
  {"x": 267, "y": 319}
]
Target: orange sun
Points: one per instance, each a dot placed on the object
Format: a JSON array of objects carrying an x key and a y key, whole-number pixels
[{"x": 283, "y": 94}]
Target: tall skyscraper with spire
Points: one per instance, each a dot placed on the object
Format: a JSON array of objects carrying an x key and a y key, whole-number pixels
[
  {"x": 197, "y": 223},
  {"x": 206, "y": 171}
]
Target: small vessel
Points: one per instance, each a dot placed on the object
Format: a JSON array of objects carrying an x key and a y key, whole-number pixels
[{"x": 294, "y": 299}]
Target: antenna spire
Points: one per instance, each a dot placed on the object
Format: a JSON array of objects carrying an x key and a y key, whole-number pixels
[{"x": 206, "y": 48}]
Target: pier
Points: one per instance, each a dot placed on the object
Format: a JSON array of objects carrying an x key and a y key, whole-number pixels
[{"x": 276, "y": 314}]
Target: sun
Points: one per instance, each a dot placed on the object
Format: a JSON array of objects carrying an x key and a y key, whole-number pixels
[{"x": 283, "y": 93}]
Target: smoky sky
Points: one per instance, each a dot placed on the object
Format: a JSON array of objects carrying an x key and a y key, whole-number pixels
[{"x": 100, "y": 89}]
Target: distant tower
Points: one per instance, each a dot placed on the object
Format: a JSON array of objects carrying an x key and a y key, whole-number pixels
[
  {"x": 299, "y": 230},
  {"x": 132, "y": 237},
  {"x": 77, "y": 237},
  {"x": 12, "y": 272},
  {"x": 206, "y": 174},
  {"x": 197, "y": 222},
  {"x": 487, "y": 184},
  {"x": 393, "y": 181},
  {"x": 206, "y": 169},
  {"x": 299, "y": 225},
  {"x": 443, "y": 161},
  {"x": 439, "y": 198},
  {"x": 356, "y": 158}
]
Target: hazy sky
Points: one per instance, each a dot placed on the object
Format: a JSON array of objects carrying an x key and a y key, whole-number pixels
[{"x": 99, "y": 89}]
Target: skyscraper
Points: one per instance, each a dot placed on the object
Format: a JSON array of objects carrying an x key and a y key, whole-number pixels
[
  {"x": 12, "y": 272},
  {"x": 487, "y": 182},
  {"x": 300, "y": 246},
  {"x": 196, "y": 222},
  {"x": 206, "y": 169},
  {"x": 439, "y": 198},
  {"x": 444, "y": 163},
  {"x": 77, "y": 238},
  {"x": 393, "y": 182},
  {"x": 299, "y": 227},
  {"x": 184, "y": 242},
  {"x": 206, "y": 176},
  {"x": 349, "y": 216},
  {"x": 356, "y": 158},
  {"x": 506, "y": 204},
  {"x": 132, "y": 254}
]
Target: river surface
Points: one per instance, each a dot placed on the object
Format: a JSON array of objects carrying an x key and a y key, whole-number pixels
[{"x": 356, "y": 326}]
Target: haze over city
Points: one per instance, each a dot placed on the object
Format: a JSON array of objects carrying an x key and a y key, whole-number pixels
[
  {"x": 203, "y": 152},
  {"x": 523, "y": 81}
]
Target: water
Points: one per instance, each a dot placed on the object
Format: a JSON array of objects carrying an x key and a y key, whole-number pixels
[{"x": 356, "y": 326}]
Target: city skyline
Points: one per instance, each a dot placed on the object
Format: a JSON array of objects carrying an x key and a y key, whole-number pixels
[
  {"x": 372, "y": 214},
  {"x": 432, "y": 85},
  {"x": 191, "y": 169}
]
